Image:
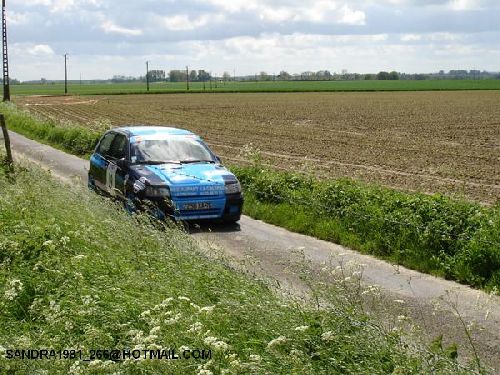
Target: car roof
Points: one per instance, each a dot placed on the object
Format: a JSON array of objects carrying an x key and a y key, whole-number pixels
[{"x": 134, "y": 130}]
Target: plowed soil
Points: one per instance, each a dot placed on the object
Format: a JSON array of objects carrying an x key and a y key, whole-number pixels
[{"x": 447, "y": 142}]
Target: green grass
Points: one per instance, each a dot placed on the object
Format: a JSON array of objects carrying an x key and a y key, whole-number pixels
[
  {"x": 434, "y": 234},
  {"x": 73, "y": 139},
  {"x": 261, "y": 86},
  {"x": 451, "y": 238},
  {"x": 78, "y": 272}
]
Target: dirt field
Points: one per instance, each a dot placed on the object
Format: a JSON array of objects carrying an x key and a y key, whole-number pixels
[{"x": 445, "y": 142}]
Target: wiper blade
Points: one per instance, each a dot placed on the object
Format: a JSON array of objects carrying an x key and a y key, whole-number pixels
[
  {"x": 197, "y": 161},
  {"x": 157, "y": 162}
]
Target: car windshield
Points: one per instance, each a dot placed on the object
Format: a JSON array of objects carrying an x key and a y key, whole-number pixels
[{"x": 174, "y": 149}]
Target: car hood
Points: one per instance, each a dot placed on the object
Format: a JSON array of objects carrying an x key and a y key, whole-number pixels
[{"x": 187, "y": 179}]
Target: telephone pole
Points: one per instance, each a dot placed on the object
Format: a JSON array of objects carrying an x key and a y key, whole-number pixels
[
  {"x": 6, "y": 83},
  {"x": 65, "y": 73},
  {"x": 187, "y": 78},
  {"x": 147, "y": 76}
]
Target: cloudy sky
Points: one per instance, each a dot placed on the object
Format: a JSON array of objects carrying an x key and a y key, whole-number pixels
[{"x": 108, "y": 37}]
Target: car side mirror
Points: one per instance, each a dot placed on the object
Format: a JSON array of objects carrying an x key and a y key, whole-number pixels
[
  {"x": 122, "y": 163},
  {"x": 218, "y": 159}
]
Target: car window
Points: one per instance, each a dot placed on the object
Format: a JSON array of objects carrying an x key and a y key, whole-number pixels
[
  {"x": 119, "y": 147},
  {"x": 175, "y": 148},
  {"x": 105, "y": 144}
]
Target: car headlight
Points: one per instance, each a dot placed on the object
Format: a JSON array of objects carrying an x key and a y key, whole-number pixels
[
  {"x": 157, "y": 192},
  {"x": 233, "y": 188}
]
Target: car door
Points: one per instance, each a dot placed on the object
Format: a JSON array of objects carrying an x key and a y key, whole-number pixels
[
  {"x": 100, "y": 160},
  {"x": 115, "y": 175}
]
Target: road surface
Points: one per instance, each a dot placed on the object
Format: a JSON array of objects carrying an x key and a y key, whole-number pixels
[{"x": 268, "y": 251}]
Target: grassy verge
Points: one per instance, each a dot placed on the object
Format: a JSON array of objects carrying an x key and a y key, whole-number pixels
[
  {"x": 86, "y": 276},
  {"x": 71, "y": 138},
  {"x": 433, "y": 234}
]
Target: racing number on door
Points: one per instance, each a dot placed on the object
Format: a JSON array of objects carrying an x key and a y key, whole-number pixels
[{"x": 110, "y": 178}]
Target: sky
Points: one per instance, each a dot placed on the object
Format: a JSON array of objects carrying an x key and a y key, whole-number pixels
[{"x": 110, "y": 37}]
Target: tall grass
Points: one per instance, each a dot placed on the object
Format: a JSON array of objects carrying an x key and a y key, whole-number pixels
[
  {"x": 435, "y": 234},
  {"x": 74, "y": 139},
  {"x": 78, "y": 272}
]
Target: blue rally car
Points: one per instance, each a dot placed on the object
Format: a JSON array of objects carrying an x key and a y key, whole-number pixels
[{"x": 171, "y": 169}]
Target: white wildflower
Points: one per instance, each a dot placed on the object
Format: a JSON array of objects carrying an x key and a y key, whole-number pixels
[
  {"x": 220, "y": 346},
  {"x": 54, "y": 306},
  {"x": 155, "y": 330},
  {"x": 134, "y": 332},
  {"x": 327, "y": 336},
  {"x": 166, "y": 301},
  {"x": 195, "y": 306},
  {"x": 95, "y": 363},
  {"x": 401, "y": 318},
  {"x": 207, "y": 309},
  {"x": 48, "y": 243},
  {"x": 235, "y": 363},
  {"x": 301, "y": 328},
  {"x": 296, "y": 353},
  {"x": 209, "y": 340},
  {"x": 400, "y": 301},
  {"x": 255, "y": 358},
  {"x": 348, "y": 278},
  {"x": 79, "y": 257},
  {"x": 182, "y": 298},
  {"x": 64, "y": 240},
  {"x": 276, "y": 342},
  {"x": 150, "y": 339},
  {"x": 75, "y": 368},
  {"x": 196, "y": 327},
  {"x": 14, "y": 287},
  {"x": 205, "y": 372}
]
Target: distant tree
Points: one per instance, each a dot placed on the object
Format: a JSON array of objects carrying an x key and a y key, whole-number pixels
[
  {"x": 156, "y": 75},
  {"x": 369, "y": 77},
  {"x": 264, "y": 76},
  {"x": 193, "y": 75},
  {"x": 177, "y": 76},
  {"x": 203, "y": 76},
  {"x": 308, "y": 76},
  {"x": 43, "y": 81},
  {"x": 383, "y": 75},
  {"x": 322, "y": 74},
  {"x": 284, "y": 75},
  {"x": 226, "y": 76},
  {"x": 393, "y": 75}
]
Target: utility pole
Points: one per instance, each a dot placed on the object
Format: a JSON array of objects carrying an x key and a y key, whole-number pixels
[
  {"x": 65, "y": 73},
  {"x": 6, "y": 83},
  {"x": 147, "y": 76},
  {"x": 187, "y": 78}
]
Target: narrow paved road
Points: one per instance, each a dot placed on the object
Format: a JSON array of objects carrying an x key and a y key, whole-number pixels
[{"x": 268, "y": 251}]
